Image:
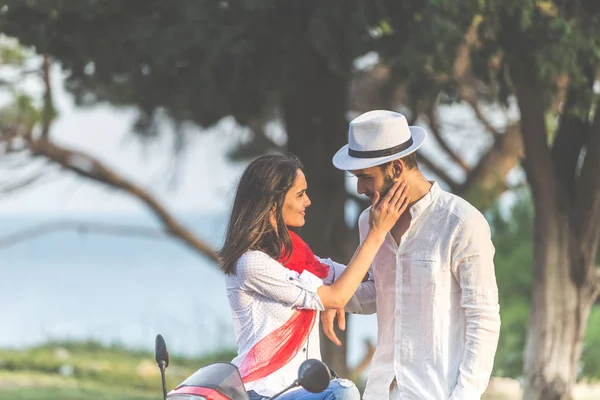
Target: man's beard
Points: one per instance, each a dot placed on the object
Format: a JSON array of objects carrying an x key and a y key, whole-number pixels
[{"x": 388, "y": 182}]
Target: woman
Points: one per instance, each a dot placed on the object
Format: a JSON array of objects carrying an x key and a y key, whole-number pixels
[{"x": 275, "y": 284}]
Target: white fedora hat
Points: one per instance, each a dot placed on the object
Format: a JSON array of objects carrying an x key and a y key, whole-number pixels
[{"x": 377, "y": 137}]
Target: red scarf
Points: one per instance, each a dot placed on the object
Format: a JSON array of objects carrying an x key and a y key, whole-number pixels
[{"x": 280, "y": 346}]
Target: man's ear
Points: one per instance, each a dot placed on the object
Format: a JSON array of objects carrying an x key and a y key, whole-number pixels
[{"x": 397, "y": 168}]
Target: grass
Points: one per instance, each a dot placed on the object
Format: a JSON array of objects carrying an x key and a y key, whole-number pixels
[
  {"x": 42, "y": 386},
  {"x": 89, "y": 370}
]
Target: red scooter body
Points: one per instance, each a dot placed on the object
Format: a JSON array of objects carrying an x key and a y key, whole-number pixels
[
  {"x": 222, "y": 380},
  {"x": 216, "y": 381}
]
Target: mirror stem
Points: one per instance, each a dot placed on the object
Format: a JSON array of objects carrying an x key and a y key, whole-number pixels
[
  {"x": 293, "y": 385},
  {"x": 162, "y": 366}
]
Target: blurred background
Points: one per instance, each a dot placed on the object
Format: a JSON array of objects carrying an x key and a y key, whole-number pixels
[{"x": 124, "y": 126}]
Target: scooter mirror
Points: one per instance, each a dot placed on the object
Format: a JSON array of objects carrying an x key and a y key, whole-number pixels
[
  {"x": 160, "y": 352},
  {"x": 162, "y": 359},
  {"x": 314, "y": 376}
]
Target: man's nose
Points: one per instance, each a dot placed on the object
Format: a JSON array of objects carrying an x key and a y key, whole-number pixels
[{"x": 360, "y": 188}]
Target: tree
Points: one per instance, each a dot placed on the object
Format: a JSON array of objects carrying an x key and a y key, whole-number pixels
[
  {"x": 564, "y": 178},
  {"x": 512, "y": 236},
  {"x": 261, "y": 61},
  {"x": 544, "y": 56}
]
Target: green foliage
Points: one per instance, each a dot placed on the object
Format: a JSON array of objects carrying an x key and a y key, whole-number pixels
[
  {"x": 35, "y": 386},
  {"x": 195, "y": 61},
  {"x": 422, "y": 52},
  {"x": 513, "y": 260},
  {"x": 111, "y": 365},
  {"x": 21, "y": 111},
  {"x": 203, "y": 60},
  {"x": 11, "y": 53},
  {"x": 543, "y": 40},
  {"x": 590, "y": 357}
]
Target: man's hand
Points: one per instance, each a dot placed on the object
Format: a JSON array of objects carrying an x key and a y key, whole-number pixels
[{"x": 327, "y": 318}]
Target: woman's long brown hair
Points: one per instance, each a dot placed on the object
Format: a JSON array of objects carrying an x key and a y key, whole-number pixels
[{"x": 262, "y": 187}]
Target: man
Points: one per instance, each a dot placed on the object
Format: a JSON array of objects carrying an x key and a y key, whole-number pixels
[{"x": 432, "y": 283}]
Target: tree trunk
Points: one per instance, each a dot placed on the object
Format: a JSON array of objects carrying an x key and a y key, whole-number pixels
[
  {"x": 487, "y": 181},
  {"x": 566, "y": 232},
  {"x": 560, "y": 310},
  {"x": 314, "y": 111}
]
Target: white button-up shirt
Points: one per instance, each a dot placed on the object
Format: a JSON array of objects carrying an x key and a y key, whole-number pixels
[
  {"x": 263, "y": 295},
  {"x": 436, "y": 300}
]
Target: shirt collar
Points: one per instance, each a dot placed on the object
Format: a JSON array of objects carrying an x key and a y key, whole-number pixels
[{"x": 421, "y": 205}]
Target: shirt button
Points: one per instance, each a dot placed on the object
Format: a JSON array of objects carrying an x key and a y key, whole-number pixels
[{"x": 304, "y": 349}]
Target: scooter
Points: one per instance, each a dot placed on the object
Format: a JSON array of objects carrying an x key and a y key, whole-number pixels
[{"x": 222, "y": 380}]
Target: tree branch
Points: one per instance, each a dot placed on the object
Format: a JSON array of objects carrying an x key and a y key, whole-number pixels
[
  {"x": 487, "y": 179},
  {"x": 364, "y": 363},
  {"x": 434, "y": 124},
  {"x": 88, "y": 167},
  {"x": 538, "y": 160},
  {"x": 12, "y": 187},
  {"x": 48, "y": 111},
  {"x": 438, "y": 171},
  {"x": 21, "y": 172},
  {"x": 470, "y": 100},
  {"x": 81, "y": 227},
  {"x": 463, "y": 75}
]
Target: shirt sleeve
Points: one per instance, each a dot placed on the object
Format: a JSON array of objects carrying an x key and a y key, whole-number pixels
[
  {"x": 473, "y": 268},
  {"x": 335, "y": 270},
  {"x": 363, "y": 300},
  {"x": 259, "y": 273}
]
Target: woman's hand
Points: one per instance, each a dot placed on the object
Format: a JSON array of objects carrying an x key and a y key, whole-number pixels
[
  {"x": 385, "y": 212},
  {"x": 383, "y": 215}
]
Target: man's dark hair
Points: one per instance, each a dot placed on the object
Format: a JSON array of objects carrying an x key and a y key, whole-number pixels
[{"x": 409, "y": 161}]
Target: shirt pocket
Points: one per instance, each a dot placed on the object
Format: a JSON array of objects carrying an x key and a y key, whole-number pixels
[{"x": 427, "y": 273}]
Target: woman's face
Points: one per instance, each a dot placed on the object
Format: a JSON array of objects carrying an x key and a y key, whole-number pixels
[{"x": 296, "y": 202}]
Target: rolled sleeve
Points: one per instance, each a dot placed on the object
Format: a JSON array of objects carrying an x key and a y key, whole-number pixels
[
  {"x": 473, "y": 268},
  {"x": 364, "y": 299},
  {"x": 259, "y": 273},
  {"x": 335, "y": 270}
]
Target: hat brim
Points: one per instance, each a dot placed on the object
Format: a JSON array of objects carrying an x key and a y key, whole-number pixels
[{"x": 345, "y": 162}]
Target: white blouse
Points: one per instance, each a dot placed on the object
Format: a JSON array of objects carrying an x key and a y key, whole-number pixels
[{"x": 263, "y": 295}]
